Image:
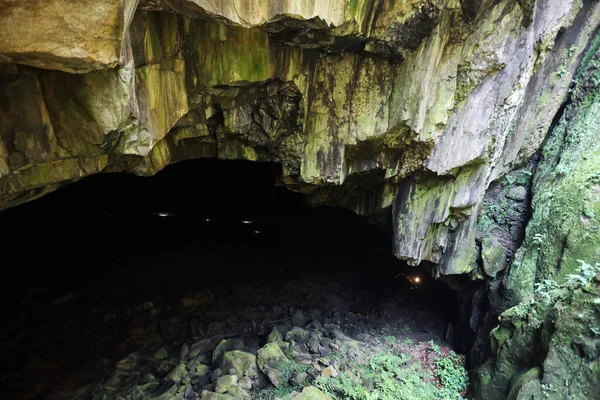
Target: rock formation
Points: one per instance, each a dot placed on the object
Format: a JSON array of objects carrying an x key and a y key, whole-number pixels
[{"x": 415, "y": 106}]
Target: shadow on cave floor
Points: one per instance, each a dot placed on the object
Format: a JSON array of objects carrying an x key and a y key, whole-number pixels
[{"x": 108, "y": 271}]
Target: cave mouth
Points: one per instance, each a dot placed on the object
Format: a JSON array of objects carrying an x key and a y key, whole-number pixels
[{"x": 118, "y": 267}]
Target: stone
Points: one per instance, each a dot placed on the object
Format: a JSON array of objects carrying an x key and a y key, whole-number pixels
[
  {"x": 311, "y": 393},
  {"x": 244, "y": 364},
  {"x": 245, "y": 383},
  {"x": 224, "y": 346},
  {"x": 201, "y": 347},
  {"x": 184, "y": 353},
  {"x": 225, "y": 383},
  {"x": 329, "y": 372},
  {"x": 518, "y": 193},
  {"x": 89, "y": 38},
  {"x": 274, "y": 364},
  {"x": 571, "y": 311},
  {"x": 207, "y": 395},
  {"x": 300, "y": 318},
  {"x": 177, "y": 374},
  {"x": 298, "y": 379},
  {"x": 297, "y": 334},
  {"x": 493, "y": 256}
]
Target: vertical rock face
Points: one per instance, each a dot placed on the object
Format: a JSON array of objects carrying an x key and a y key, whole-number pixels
[
  {"x": 546, "y": 345},
  {"x": 410, "y": 105}
]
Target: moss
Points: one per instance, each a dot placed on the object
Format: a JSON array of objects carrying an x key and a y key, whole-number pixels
[
  {"x": 221, "y": 54},
  {"x": 566, "y": 187}
]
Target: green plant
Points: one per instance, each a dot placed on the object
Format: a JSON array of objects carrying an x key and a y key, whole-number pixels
[
  {"x": 390, "y": 339},
  {"x": 386, "y": 376},
  {"x": 586, "y": 273},
  {"x": 286, "y": 370},
  {"x": 524, "y": 177},
  {"x": 538, "y": 238},
  {"x": 561, "y": 71},
  {"x": 433, "y": 347},
  {"x": 544, "y": 287},
  {"x": 510, "y": 179},
  {"x": 451, "y": 373}
]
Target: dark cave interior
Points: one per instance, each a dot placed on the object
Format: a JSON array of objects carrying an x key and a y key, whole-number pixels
[{"x": 100, "y": 246}]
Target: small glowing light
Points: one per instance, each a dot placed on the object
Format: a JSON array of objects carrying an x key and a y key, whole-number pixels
[
  {"x": 417, "y": 279},
  {"x": 208, "y": 220},
  {"x": 245, "y": 221},
  {"x": 163, "y": 214},
  {"x": 258, "y": 232}
]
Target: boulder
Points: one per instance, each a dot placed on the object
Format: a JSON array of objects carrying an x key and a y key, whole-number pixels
[
  {"x": 274, "y": 364},
  {"x": 243, "y": 363}
]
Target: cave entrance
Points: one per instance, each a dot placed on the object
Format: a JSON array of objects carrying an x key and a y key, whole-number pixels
[{"x": 117, "y": 280}]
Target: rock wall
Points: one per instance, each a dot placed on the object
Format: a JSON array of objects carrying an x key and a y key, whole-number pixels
[
  {"x": 410, "y": 105},
  {"x": 546, "y": 345},
  {"x": 547, "y": 348}
]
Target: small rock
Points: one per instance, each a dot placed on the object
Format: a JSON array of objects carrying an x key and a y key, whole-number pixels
[
  {"x": 118, "y": 378},
  {"x": 300, "y": 318},
  {"x": 351, "y": 352},
  {"x": 245, "y": 383},
  {"x": 274, "y": 337},
  {"x": 311, "y": 393},
  {"x": 177, "y": 374},
  {"x": 273, "y": 363},
  {"x": 196, "y": 328},
  {"x": 189, "y": 393},
  {"x": 493, "y": 256},
  {"x": 202, "y": 346},
  {"x": 128, "y": 363},
  {"x": 329, "y": 372},
  {"x": 148, "y": 378},
  {"x": 224, "y": 346},
  {"x": 184, "y": 353},
  {"x": 225, "y": 383},
  {"x": 313, "y": 343},
  {"x": 324, "y": 351},
  {"x": 163, "y": 367},
  {"x": 164, "y": 396},
  {"x": 518, "y": 193},
  {"x": 297, "y": 334},
  {"x": 242, "y": 363},
  {"x": 298, "y": 379},
  {"x": 206, "y": 395}
]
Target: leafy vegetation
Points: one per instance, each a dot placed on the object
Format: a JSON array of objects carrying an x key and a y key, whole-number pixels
[
  {"x": 586, "y": 274},
  {"x": 389, "y": 376},
  {"x": 451, "y": 373}
]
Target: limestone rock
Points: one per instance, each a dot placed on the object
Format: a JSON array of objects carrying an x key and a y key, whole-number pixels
[
  {"x": 42, "y": 34},
  {"x": 493, "y": 256},
  {"x": 274, "y": 364},
  {"x": 225, "y": 383},
  {"x": 566, "y": 203},
  {"x": 308, "y": 393},
  {"x": 415, "y": 106},
  {"x": 518, "y": 193},
  {"x": 215, "y": 396},
  {"x": 243, "y": 363},
  {"x": 178, "y": 373},
  {"x": 554, "y": 335}
]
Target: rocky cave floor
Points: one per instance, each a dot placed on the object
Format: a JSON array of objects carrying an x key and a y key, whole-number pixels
[
  {"x": 233, "y": 320},
  {"x": 139, "y": 288}
]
